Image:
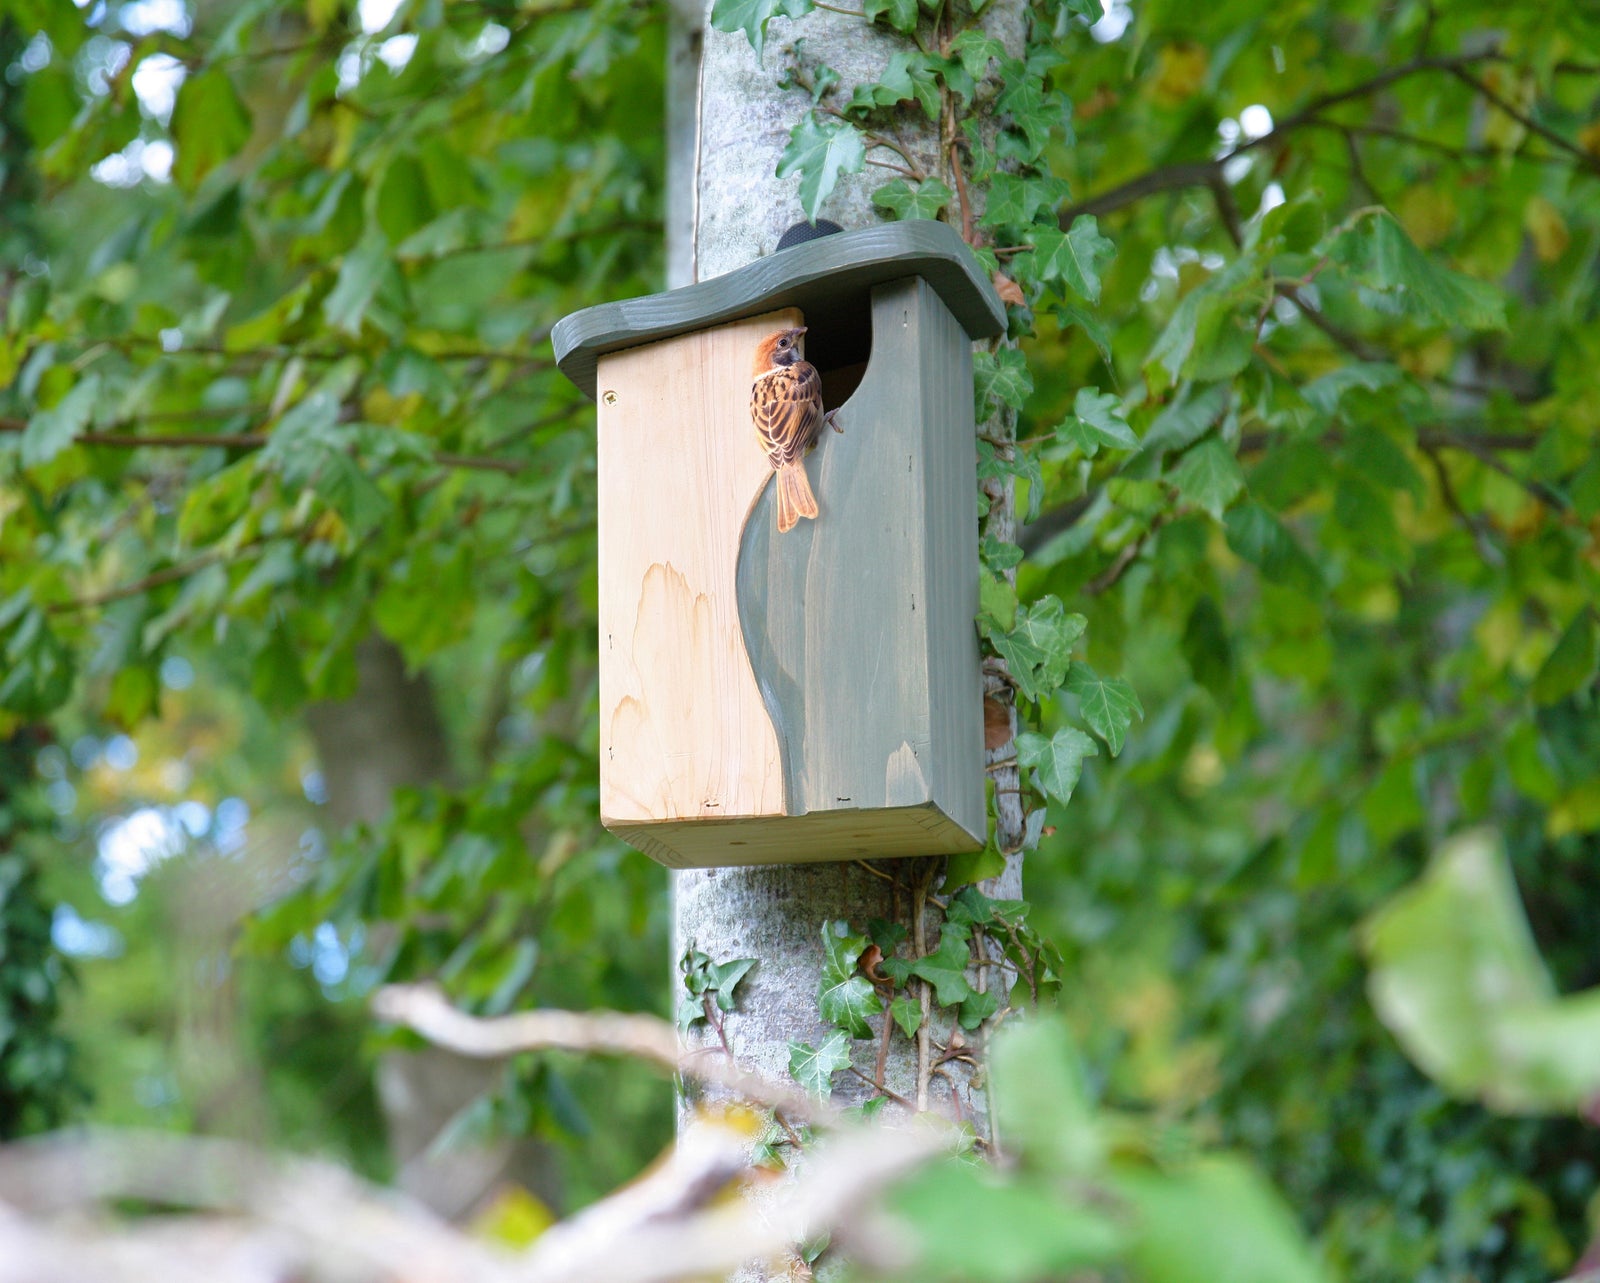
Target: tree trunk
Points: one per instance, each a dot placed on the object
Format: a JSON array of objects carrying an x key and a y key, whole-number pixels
[{"x": 777, "y": 914}]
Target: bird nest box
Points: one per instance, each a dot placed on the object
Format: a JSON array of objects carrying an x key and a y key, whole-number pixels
[{"x": 813, "y": 693}]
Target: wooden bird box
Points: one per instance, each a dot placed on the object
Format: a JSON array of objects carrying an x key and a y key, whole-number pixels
[{"x": 772, "y": 697}]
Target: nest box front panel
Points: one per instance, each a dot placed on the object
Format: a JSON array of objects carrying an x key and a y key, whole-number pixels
[{"x": 684, "y": 732}]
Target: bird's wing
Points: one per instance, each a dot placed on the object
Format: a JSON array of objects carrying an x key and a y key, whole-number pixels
[{"x": 786, "y": 406}]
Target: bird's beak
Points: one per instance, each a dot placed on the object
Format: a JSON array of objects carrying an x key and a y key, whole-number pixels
[{"x": 799, "y": 329}]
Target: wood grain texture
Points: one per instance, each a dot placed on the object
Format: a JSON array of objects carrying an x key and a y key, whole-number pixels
[
  {"x": 799, "y": 839},
  {"x": 860, "y": 625},
  {"x": 684, "y": 731},
  {"x": 829, "y": 279}
]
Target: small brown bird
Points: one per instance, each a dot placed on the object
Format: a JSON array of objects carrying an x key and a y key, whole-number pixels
[{"x": 786, "y": 407}]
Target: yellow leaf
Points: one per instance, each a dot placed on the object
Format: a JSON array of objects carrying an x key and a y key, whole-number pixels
[
  {"x": 1180, "y": 71},
  {"x": 513, "y": 1217},
  {"x": 1589, "y": 138},
  {"x": 1546, "y": 228},
  {"x": 1427, "y": 213},
  {"x": 1429, "y": 360}
]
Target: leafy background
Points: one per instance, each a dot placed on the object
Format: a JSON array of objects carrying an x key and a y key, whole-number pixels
[{"x": 1305, "y": 435}]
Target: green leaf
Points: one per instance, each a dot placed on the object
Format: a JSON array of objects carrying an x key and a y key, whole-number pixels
[
  {"x": 1457, "y": 977},
  {"x": 1001, "y": 376},
  {"x": 946, "y": 968},
  {"x": 845, "y": 997},
  {"x": 967, "y": 1223},
  {"x": 820, "y": 153},
  {"x": 1208, "y": 477},
  {"x": 998, "y": 555},
  {"x": 902, "y": 14},
  {"x": 752, "y": 16},
  {"x": 1571, "y": 665},
  {"x": 359, "y": 277},
  {"x": 975, "y": 49},
  {"x": 51, "y": 431},
  {"x": 209, "y": 126},
  {"x": 1042, "y": 1098},
  {"x": 1057, "y": 761},
  {"x": 997, "y": 604},
  {"x": 724, "y": 977},
  {"x": 1033, "y": 111},
  {"x": 907, "y": 1013},
  {"x": 813, "y": 1067},
  {"x": 1109, "y": 705},
  {"x": 1207, "y": 647},
  {"x": 1016, "y": 200},
  {"x": 1215, "y": 1219},
  {"x": 907, "y": 200},
  {"x": 1376, "y": 252},
  {"x": 977, "y": 1007},
  {"x": 1096, "y": 420},
  {"x": 1261, "y": 539},
  {"x": 908, "y": 76},
  {"x": 1038, "y": 651},
  {"x": 1076, "y": 258},
  {"x": 974, "y": 866}
]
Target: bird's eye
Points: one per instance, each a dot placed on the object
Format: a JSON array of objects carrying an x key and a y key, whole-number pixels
[{"x": 783, "y": 342}]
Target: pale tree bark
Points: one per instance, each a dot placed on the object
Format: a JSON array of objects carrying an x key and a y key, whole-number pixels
[{"x": 776, "y": 914}]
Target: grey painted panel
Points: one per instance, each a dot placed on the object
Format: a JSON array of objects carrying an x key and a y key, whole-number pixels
[
  {"x": 829, "y": 279},
  {"x": 859, "y": 625}
]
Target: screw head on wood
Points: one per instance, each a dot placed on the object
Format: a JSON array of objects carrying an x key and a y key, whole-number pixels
[{"x": 610, "y": 398}]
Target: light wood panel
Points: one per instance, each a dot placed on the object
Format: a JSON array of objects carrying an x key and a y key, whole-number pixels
[{"x": 684, "y": 733}]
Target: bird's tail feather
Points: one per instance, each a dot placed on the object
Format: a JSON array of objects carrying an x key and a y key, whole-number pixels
[{"x": 795, "y": 499}]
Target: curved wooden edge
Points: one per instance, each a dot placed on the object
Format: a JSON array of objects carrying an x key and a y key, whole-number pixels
[{"x": 829, "y": 277}]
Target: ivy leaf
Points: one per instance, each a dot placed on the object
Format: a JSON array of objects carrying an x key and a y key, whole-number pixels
[
  {"x": 913, "y": 200},
  {"x": 813, "y": 1067},
  {"x": 51, "y": 431},
  {"x": 975, "y": 49},
  {"x": 1057, "y": 761},
  {"x": 888, "y": 936},
  {"x": 1208, "y": 477},
  {"x": 845, "y": 997},
  {"x": 209, "y": 125},
  {"x": 1075, "y": 257},
  {"x": 946, "y": 968},
  {"x": 977, "y": 1007},
  {"x": 1377, "y": 253},
  {"x": 1015, "y": 200},
  {"x": 1038, "y": 651},
  {"x": 1109, "y": 705},
  {"x": 752, "y": 16},
  {"x": 1001, "y": 376},
  {"x": 902, "y": 13},
  {"x": 997, "y": 554},
  {"x": 908, "y": 75},
  {"x": 1096, "y": 420},
  {"x": 724, "y": 977},
  {"x": 1072, "y": 314},
  {"x": 997, "y": 603},
  {"x": 1033, "y": 111},
  {"x": 907, "y": 1013},
  {"x": 819, "y": 153}
]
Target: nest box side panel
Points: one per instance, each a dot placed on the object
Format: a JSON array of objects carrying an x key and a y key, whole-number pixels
[
  {"x": 955, "y": 681},
  {"x": 684, "y": 732},
  {"x": 839, "y": 613}
]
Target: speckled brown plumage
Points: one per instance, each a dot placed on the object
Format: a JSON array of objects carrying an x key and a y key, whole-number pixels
[{"x": 786, "y": 408}]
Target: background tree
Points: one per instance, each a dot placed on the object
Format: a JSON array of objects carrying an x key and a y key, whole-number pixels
[{"x": 1308, "y": 463}]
